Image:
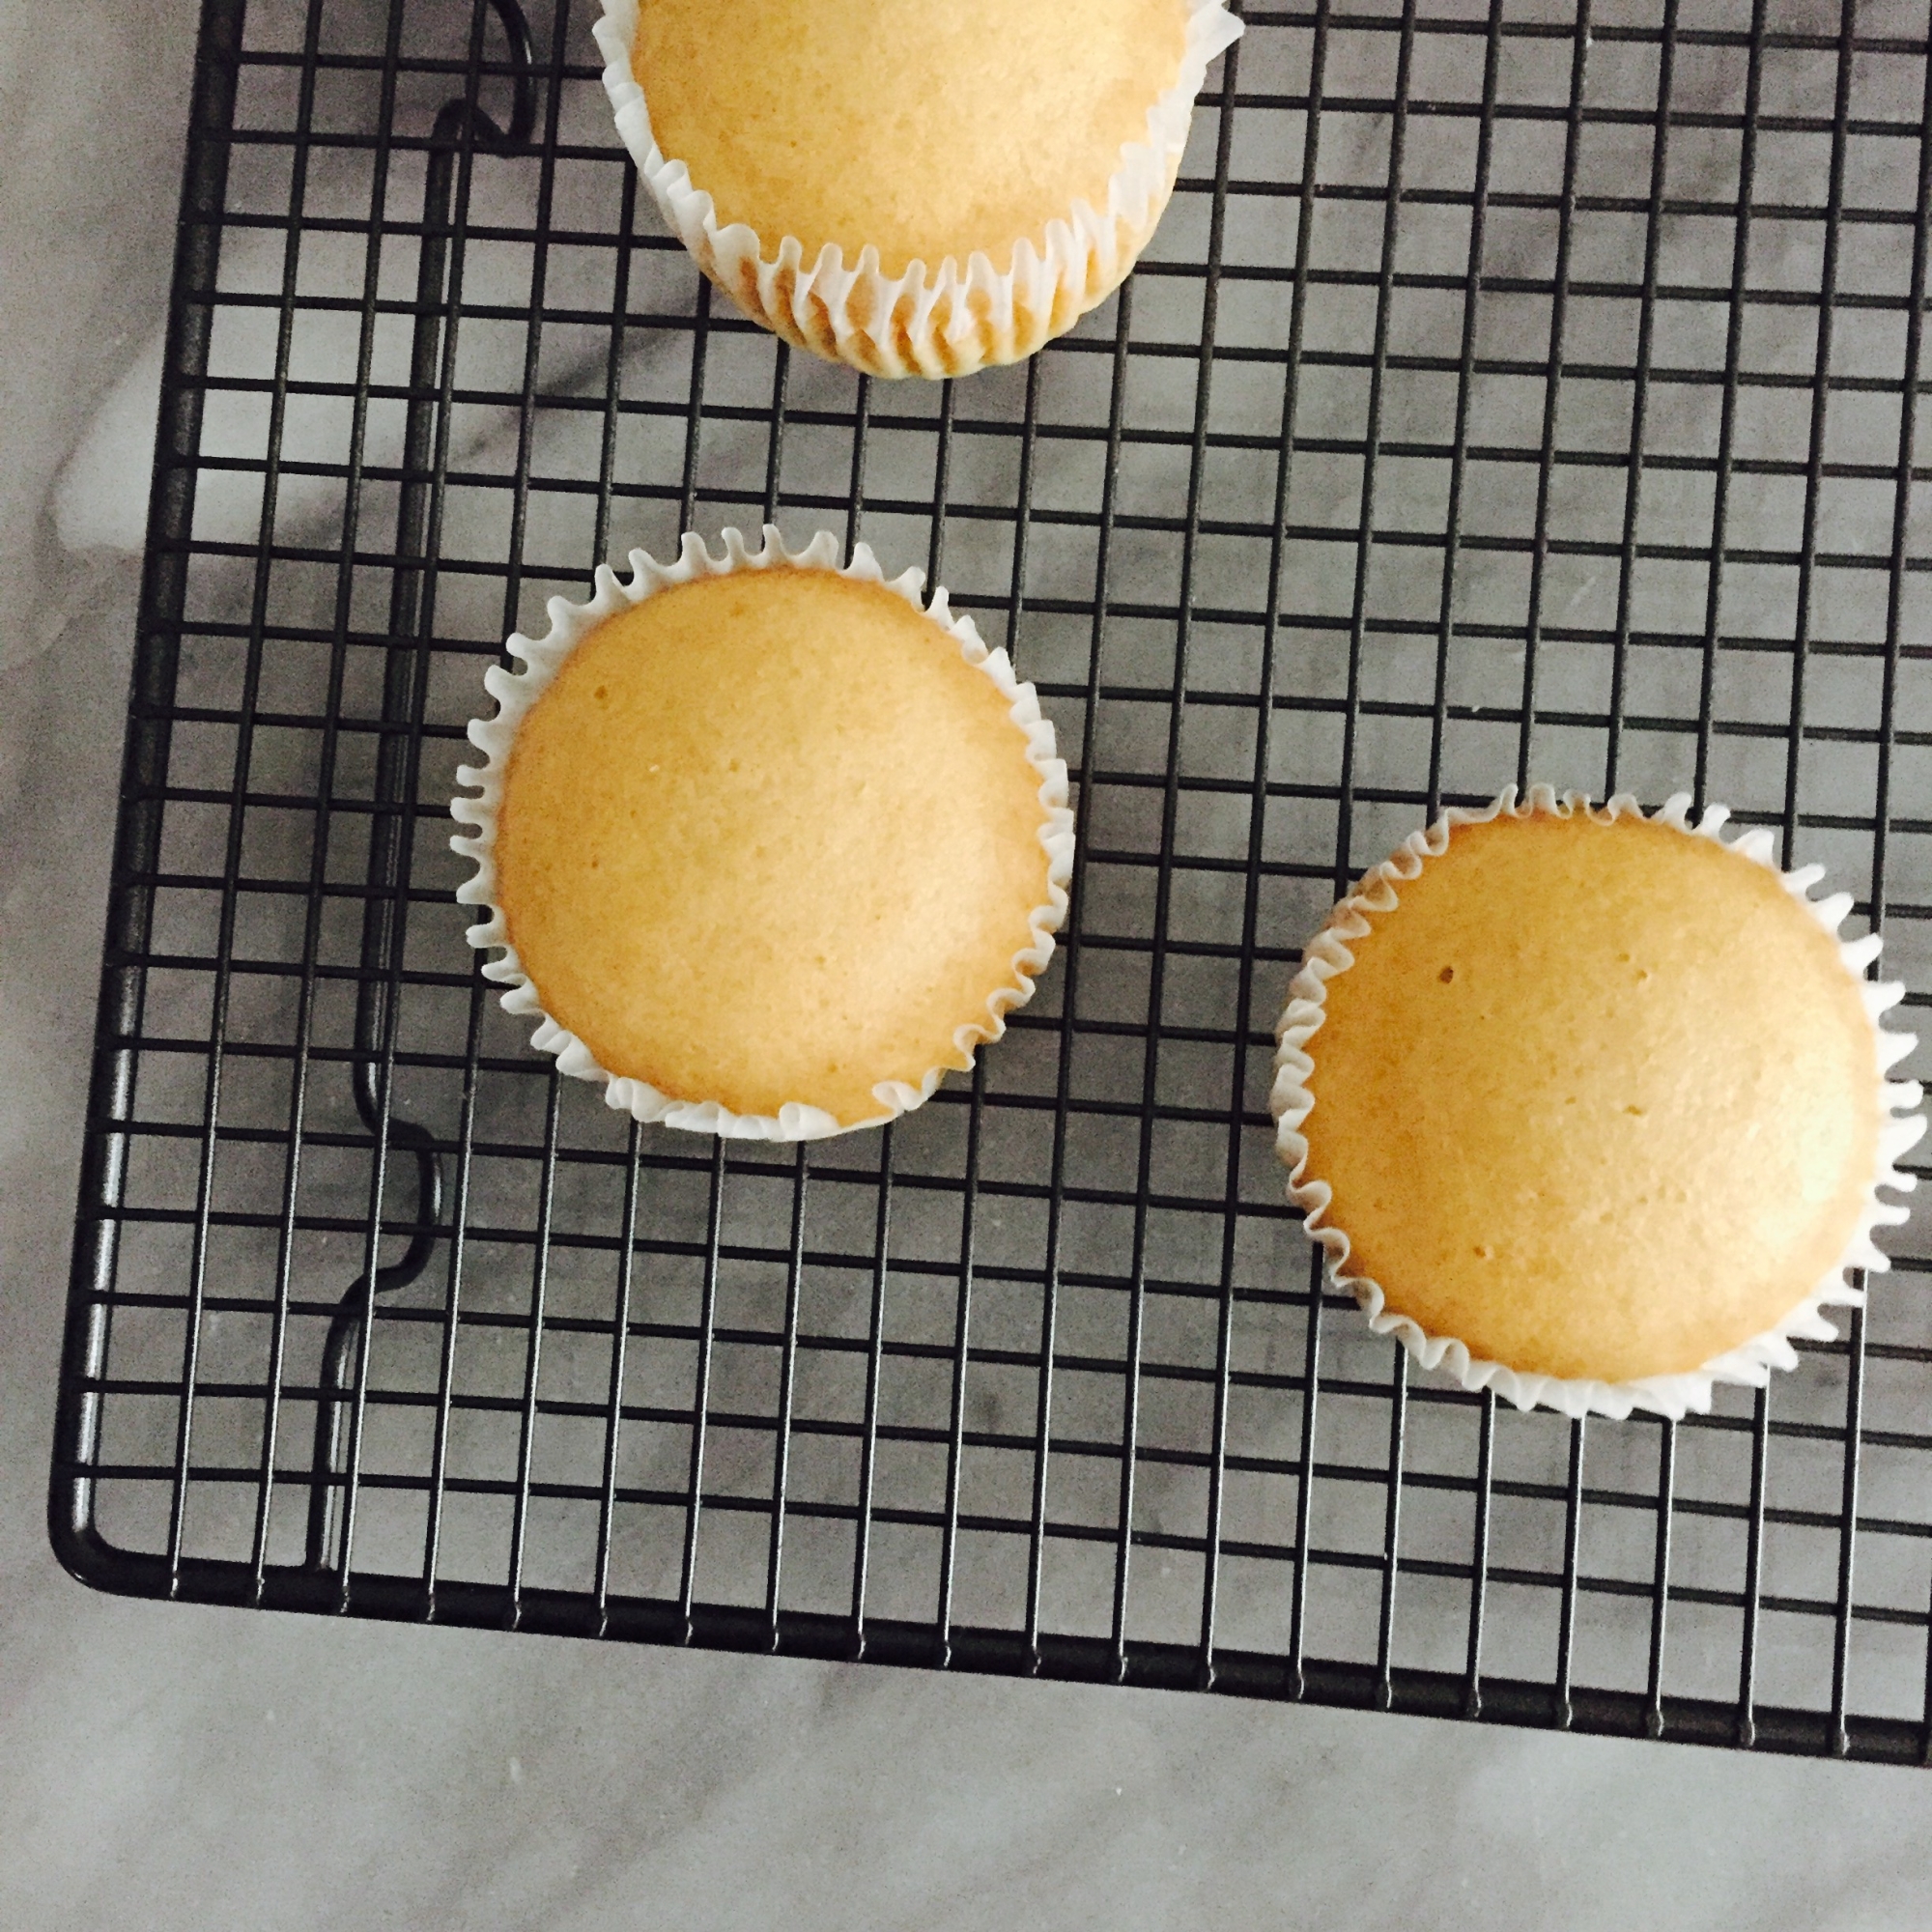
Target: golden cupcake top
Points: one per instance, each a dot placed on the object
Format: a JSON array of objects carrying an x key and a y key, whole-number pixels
[
  {"x": 768, "y": 838},
  {"x": 925, "y": 131},
  {"x": 1598, "y": 1099}
]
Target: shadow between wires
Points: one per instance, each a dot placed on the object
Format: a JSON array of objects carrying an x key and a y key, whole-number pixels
[{"x": 1510, "y": 393}]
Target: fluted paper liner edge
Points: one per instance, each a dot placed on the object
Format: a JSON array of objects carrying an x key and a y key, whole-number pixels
[
  {"x": 516, "y": 691},
  {"x": 1751, "y": 1362}
]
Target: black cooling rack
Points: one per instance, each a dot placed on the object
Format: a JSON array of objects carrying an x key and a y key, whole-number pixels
[{"x": 1510, "y": 391}]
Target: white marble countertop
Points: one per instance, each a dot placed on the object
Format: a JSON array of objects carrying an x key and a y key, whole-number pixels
[{"x": 185, "y": 1767}]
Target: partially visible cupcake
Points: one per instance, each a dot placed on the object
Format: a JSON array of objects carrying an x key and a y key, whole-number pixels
[
  {"x": 1592, "y": 1108},
  {"x": 911, "y": 190},
  {"x": 768, "y": 845}
]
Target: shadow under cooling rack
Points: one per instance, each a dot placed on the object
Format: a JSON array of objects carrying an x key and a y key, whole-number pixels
[{"x": 1509, "y": 393}]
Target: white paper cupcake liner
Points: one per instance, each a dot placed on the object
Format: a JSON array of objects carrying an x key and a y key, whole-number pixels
[
  {"x": 943, "y": 321},
  {"x": 516, "y": 691},
  {"x": 1751, "y": 1362}
]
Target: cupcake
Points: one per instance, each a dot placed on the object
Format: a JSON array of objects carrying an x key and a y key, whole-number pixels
[
  {"x": 916, "y": 192},
  {"x": 1591, "y": 1108},
  {"x": 767, "y": 845}
]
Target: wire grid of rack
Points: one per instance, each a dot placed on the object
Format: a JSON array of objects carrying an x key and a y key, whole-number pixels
[{"x": 1510, "y": 391}]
